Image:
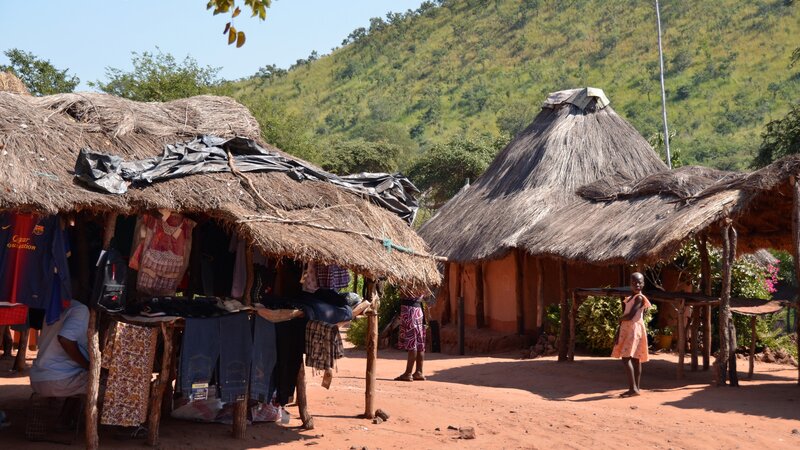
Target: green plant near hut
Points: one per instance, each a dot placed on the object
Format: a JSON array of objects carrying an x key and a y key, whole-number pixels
[
  {"x": 597, "y": 322},
  {"x": 390, "y": 307}
]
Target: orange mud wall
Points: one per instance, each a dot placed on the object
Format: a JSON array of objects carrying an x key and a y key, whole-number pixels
[{"x": 542, "y": 285}]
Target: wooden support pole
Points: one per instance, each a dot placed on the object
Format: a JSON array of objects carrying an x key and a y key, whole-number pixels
[
  {"x": 160, "y": 385},
  {"x": 372, "y": 349},
  {"x": 93, "y": 388},
  {"x": 695, "y": 339},
  {"x": 459, "y": 289},
  {"x": 520, "y": 290},
  {"x": 705, "y": 283},
  {"x": 444, "y": 295},
  {"x": 22, "y": 351},
  {"x": 681, "y": 336},
  {"x": 539, "y": 296},
  {"x": 302, "y": 399},
  {"x": 247, "y": 298},
  {"x": 796, "y": 254},
  {"x": 573, "y": 313},
  {"x": 726, "y": 361},
  {"x": 563, "y": 338},
  {"x": 461, "y": 326},
  {"x": 480, "y": 319},
  {"x": 753, "y": 339}
]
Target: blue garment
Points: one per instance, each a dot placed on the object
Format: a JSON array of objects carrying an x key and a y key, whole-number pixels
[
  {"x": 52, "y": 362},
  {"x": 236, "y": 355},
  {"x": 199, "y": 352},
  {"x": 264, "y": 358},
  {"x": 33, "y": 257}
]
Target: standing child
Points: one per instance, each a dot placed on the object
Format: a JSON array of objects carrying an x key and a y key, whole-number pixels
[
  {"x": 412, "y": 334},
  {"x": 631, "y": 341}
]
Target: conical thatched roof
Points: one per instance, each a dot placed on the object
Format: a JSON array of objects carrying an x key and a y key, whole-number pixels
[
  {"x": 40, "y": 139},
  {"x": 10, "y": 83},
  {"x": 648, "y": 220},
  {"x": 576, "y": 139}
]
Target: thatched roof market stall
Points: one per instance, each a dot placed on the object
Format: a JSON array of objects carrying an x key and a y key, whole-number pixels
[
  {"x": 308, "y": 221},
  {"x": 647, "y": 220},
  {"x": 576, "y": 139}
]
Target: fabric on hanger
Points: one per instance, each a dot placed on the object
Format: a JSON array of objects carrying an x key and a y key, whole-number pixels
[
  {"x": 323, "y": 345},
  {"x": 161, "y": 253},
  {"x": 130, "y": 368}
]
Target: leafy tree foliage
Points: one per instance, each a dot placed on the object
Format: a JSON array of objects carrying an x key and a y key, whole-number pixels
[
  {"x": 38, "y": 75},
  {"x": 257, "y": 7},
  {"x": 159, "y": 77},
  {"x": 360, "y": 155},
  {"x": 445, "y": 167},
  {"x": 780, "y": 138}
]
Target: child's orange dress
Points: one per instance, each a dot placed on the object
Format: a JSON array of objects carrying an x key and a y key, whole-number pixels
[{"x": 632, "y": 342}]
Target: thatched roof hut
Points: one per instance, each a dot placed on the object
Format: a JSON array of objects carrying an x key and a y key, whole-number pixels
[
  {"x": 40, "y": 139},
  {"x": 10, "y": 83},
  {"x": 647, "y": 220},
  {"x": 576, "y": 139}
]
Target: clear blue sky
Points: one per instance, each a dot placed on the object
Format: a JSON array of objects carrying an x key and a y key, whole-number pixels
[{"x": 86, "y": 36}]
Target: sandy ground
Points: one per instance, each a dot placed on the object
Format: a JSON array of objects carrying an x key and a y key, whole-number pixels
[{"x": 511, "y": 403}]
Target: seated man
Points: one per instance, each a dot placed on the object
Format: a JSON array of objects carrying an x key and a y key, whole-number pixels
[{"x": 61, "y": 367}]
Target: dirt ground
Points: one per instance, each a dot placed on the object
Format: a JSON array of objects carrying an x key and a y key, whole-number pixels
[{"x": 511, "y": 403}]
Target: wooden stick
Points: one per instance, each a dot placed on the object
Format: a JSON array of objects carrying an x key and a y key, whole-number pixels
[
  {"x": 753, "y": 338},
  {"x": 681, "y": 336},
  {"x": 695, "y": 339},
  {"x": 372, "y": 351},
  {"x": 93, "y": 388},
  {"x": 22, "y": 351},
  {"x": 520, "y": 260},
  {"x": 160, "y": 384},
  {"x": 302, "y": 399},
  {"x": 444, "y": 294},
  {"x": 733, "y": 374},
  {"x": 239, "y": 430},
  {"x": 461, "y": 326},
  {"x": 705, "y": 283},
  {"x": 563, "y": 338},
  {"x": 796, "y": 254},
  {"x": 573, "y": 312},
  {"x": 539, "y": 296},
  {"x": 480, "y": 319},
  {"x": 250, "y": 276},
  {"x": 724, "y": 308}
]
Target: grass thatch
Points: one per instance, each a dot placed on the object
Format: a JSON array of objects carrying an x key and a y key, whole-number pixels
[
  {"x": 10, "y": 83},
  {"x": 41, "y": 137},
  {"x": 650, "y": 219},
  {"x": 563, "y": 149}
]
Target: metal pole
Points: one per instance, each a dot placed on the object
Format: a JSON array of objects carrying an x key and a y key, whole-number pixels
[{"x": 663, "y": 95}]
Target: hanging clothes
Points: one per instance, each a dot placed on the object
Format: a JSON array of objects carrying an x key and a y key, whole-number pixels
[
  {"x": 162, "y": 253},
  {"x": 33, "y": 258},
  {"x": 130, "y": 368},
  {"x": 290, "y": 344},
  {"x": 332, "y": 277},
  {"x": 323, "y": 345},
  {"x": 237, "y": 246}
]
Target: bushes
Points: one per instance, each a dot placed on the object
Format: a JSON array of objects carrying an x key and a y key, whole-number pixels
[
  {"x": 597, "y": 321},
  {"x": 390, "y": 307}
]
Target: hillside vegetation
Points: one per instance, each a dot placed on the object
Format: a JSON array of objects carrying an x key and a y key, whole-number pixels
[{"x": 470, "y": 68}]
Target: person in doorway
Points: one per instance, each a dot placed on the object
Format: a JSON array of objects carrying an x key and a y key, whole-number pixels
[
  {"x": 412, "y": 334},
  {"x": 61, "y": 367},
  {"x": 630, "y": 343}
]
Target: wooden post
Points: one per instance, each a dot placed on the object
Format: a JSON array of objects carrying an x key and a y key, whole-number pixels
[
  {"x": 753, "y": 339},
  {"x": 160, "y": 384},
  {"x": 444, "y": 294},
  {"x": 520, "y": 260},
  {"x": 302, "y": 399},
  {"x": 480, "y": 319},
  {"x": 796, "y": 254},
  {"x": 695, "y": 339},
  {"x": 573, "y": 312},
  {"x": 461, "y": 326},
  {"x": 93, "y": 388},
  {"x": 459, "y": 287},
  {"x": 372, "y": 349},
  {"x": 247, "y": 298},
  {"x": 22, "y": 351},
  {"x": 539, "y": 296},
  {"x": 563, "y": 338},
  {"x": 726, "y": 362},
  {"x": 705, "y": 283},
  {"x": 681, "y": 336}
]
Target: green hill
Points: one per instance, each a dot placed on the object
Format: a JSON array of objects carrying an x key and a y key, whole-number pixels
[{"x": 482, "y": 68}]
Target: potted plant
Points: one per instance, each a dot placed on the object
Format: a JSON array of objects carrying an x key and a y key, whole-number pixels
[{"x": 665, "y": 338}]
